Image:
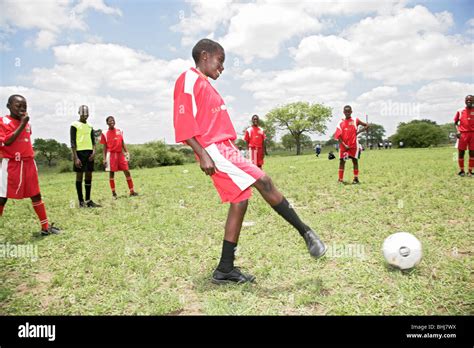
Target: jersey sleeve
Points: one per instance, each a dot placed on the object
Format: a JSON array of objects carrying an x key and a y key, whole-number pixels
[
  {"x": 456, "y": 117},
  {"x": 185, "y": 109},
  {"x": 338, "y": 132},
  {"x": 247, "y": 136},
  {"x": 102, "y": 139},
  {"x": 2, "y": 133}
]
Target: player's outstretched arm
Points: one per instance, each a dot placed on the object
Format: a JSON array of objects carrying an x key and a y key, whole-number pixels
[
  {"x": 24, "y": 121},
  {"x": 207, "y": 164}
]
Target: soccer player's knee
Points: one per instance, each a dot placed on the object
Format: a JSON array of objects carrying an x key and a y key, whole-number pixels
[
  {"x": 36, "y": 198},
  {"x": 266, "y": 183}
]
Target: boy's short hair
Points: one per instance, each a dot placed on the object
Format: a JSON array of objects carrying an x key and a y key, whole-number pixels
[
  {"x": 107, "y": 119},
  {"x": 10, "y": 99},
  {"x": 205, "y": 45}
]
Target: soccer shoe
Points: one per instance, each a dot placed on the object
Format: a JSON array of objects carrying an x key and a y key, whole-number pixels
[
  {"x": 234, "y": 276},
  {"x": 355, "y": 181},
  {"x": 91, "y": 204},
  {"x": 133, "y": 194},
  {"x": 315, "y": 246},
  {"x": 461, "y": 173},
  {"x": 469, "y": 173},
  {"x": 82, "y": 204},
  {"x": 339, "y": 181},
  {"x": 114, "y": 195},
  {"x": 51, "y": 230}
]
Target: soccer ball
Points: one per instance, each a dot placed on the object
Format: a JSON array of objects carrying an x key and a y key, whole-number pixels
[{"x": 402, "y": 250}]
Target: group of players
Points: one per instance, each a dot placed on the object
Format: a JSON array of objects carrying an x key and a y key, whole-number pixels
[{"x": 201, "y": 121}]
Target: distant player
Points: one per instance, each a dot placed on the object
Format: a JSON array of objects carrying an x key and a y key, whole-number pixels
[
  {"x": 464, "y": 122},
  {"x": 201, "y": 121},
  {"x": 346, "y": 134},
  {"x": 18, "y": 172},
  {"x": 83, "y": 151},
  {"x": 318, "y": 150},
  {"x": 115, "y": 156},
  {"x": 255, "y": 138}
]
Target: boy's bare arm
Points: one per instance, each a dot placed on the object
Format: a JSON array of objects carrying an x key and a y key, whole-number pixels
[
  {"x": 24, "y": 121},
  {"x": 207, "y": 164}
]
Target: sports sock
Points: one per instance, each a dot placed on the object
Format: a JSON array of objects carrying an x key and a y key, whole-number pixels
[
  {"x": 79, "y": 191},
  {"x": 88, "y": 184},
  {"x": 288, "y": 213},
  {"x": 461, "y": 163},
  {"x": 341, "y": 174},
  {"x": 130, "y": 183},
  {"x": 356, "y": 173},
  {"x": 226, "y": 263},
  {"x": 40, "y": 210},
  {"x": 1, "y": 209},
  {"x": 112, "y": 185}
]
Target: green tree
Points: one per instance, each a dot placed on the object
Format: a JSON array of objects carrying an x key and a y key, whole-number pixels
[
  {"x": 450, "y": 132},
  {"x": 419, "y": 133},
  {"x": 300, "y": 118},
  {"x": 375, "y": 133},
  {"x": 288, "y": 141},
  {"x": 51, "y": 150}
]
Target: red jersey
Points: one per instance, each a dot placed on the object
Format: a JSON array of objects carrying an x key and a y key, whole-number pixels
[
  {"x": 113, "y": 139},
  {"x": 466, "y": 119},
  {"x": 347, "y": 131},
  {"x": 21, "y": 147},
  {"x": 199, "y": 111},
  {"x": 255, "y": 136}
]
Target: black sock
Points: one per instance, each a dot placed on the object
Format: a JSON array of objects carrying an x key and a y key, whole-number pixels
[
  {"x": 88, "y": 184},
  {"x": 226, "y": 264},
  {"x": 79, "y": 191},
  {"x": 288, "y": 213}
]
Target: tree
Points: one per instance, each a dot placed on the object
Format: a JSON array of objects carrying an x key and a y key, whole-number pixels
[
  {"x": 419, "y": 133},
  {"x": 288, "y": 141},
  {"x": 300, "y": 118},
  {"x": 50, "y": 150},
  {"x": 450, "y": 132},
  {"x": 375, "y": 133}
]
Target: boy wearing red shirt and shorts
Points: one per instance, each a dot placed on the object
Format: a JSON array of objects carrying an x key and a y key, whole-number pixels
[
  {"x": 255, "y": 139},
  {"x": 201, "y": 120},
  {"x": 346, "y": 134},
  {"x": 464, "y": 122},
  {"x": 18, "y": 172},
  {"x": 115, "y": 156}
]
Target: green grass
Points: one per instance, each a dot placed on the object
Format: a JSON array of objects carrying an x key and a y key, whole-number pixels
[{"x": 154, "y": 254}]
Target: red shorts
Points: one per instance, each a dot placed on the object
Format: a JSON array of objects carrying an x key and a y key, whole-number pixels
[
  {"x": 19, "y": 179},
  {"x": 235, "y": 174},
  {"x": 256, "y": 155},
  {"x": 352, "y": 152},
  {"x": 466, "y": 141},
  {"x": 116, "y": 162}
]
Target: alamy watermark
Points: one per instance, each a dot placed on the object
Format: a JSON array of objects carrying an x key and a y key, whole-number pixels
[
  {"x": 8, "y": 250},
  {"x": 346, "y": 250}
]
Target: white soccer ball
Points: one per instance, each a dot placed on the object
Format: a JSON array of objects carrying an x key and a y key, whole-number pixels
[{"x": 402, "y": 250}]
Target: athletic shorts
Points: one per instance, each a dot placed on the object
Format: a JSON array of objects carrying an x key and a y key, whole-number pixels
[
  {"x": 353, "y": 152},
  {"x": 116, "y": 162},
  {"x": 466, "y": 141},
  {"x": 87, "y": 166},
  {"x": 235, "y": 174},
  {"x": 256, "y": 155},
  {"x": 19, "y": 179}
]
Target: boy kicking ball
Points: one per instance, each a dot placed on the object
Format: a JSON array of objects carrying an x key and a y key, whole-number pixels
[
  {"x": 18, "y": 172},
  {"x": 201, "y": 121},
  {"x": 115, "y": 156}
]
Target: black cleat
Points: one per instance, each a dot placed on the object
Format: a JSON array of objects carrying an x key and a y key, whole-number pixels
[
  {"x": 355, "y": 181},
  {"x": 315, "y": 246},
  {"x": 462, "y": 173},
  {"x": 234, "y": 276},
  {"x": 469, "y": 174},
  {"x": 114, "y": 195},
  {"x": 82, "y": 204},
  {"x": 51, "y": 230},
  {"x": 133, "y": 194},
  {"x": 91, "y": 204}
]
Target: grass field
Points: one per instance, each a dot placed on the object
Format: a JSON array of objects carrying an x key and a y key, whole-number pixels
[{"x": 154, "y": 254}]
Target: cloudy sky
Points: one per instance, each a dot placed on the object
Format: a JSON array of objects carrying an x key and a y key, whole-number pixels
[{"x": 391, "y": 60}]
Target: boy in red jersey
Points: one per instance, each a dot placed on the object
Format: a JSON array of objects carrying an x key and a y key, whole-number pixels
[
  {"x": 255, "y": 139},
  {"x": 18, "y": 173},
  {"x": 346, "y": 134},
  {"x": 464, "y": 122},
  {"x": 201, "y": 121},
  {"x": 115, "y": 155}
]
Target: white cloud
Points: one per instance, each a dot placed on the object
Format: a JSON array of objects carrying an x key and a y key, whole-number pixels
[
  {"x": 50, "y": 17},
  {"x": 378, "y": 93}
]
